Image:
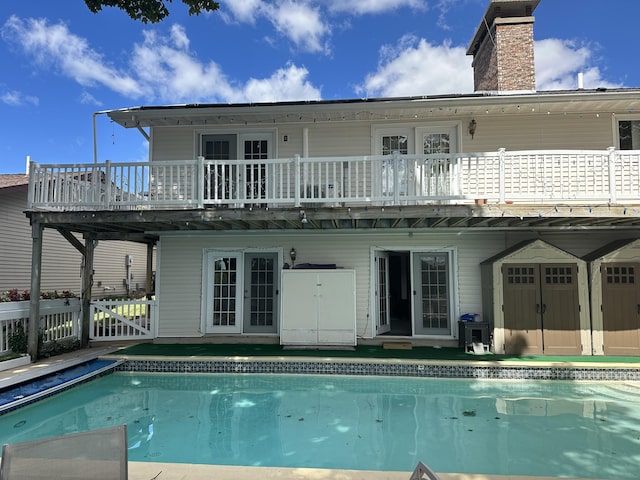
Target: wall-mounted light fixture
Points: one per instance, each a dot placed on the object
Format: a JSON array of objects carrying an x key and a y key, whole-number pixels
[
  {"x": 292, "y": 255},
  {"x": 303, "y": 216},
  {"x": 472, "y": 127}
]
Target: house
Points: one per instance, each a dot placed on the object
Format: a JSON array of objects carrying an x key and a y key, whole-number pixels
[
  {"x": 120, "y": 267},
  {"x": 371, "y": 220}
]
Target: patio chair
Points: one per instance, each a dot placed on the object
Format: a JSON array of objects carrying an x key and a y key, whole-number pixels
[
  {"x": 97, "y": 454},
  {"x": 422, "y": 471}
]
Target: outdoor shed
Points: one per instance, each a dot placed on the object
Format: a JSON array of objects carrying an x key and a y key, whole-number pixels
[
  {"x": 614, "y": 276},
  {"x": 536, "y": 296}
]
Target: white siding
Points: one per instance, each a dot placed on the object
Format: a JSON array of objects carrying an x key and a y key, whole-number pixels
[
  {"x": 173, "y": 143},
  {"x": 539, "y": 132},
  {"x": 341, "y": 138},
  {"x": 180, "y": 267},
  {"x": 61, "y": 262}
]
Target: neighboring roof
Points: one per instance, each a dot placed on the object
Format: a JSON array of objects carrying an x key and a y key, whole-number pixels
[
  {"x": 600, "y": 100},
  {"x": 13, "y": 180}
]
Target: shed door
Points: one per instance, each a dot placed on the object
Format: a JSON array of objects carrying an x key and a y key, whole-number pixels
[
  {"x": 560, "y": 309},
  {"x": 621, "y": 308},
  {"x": 522, "y": 309}
]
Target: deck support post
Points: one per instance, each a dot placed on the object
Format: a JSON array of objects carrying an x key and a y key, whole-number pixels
[
  {"x": 37, "y": 230},
  {"x": 87, "y": 283},
  {"x": 149, "y": 285}
]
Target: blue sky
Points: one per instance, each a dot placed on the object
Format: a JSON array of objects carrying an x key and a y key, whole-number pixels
[{"x": 59, "y": 63}]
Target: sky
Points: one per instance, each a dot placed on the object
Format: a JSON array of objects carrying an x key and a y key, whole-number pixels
[{"x": 60, "y": 63}]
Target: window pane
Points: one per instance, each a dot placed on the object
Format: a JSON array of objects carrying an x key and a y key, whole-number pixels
[{"x": 629, "y": 133}]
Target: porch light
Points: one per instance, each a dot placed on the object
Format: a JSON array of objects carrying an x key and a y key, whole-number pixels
[{"x": 292, "y": 255}]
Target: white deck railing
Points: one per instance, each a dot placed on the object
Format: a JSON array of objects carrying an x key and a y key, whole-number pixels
[
  {"x": 568, "y": 176},
  {"x": 59, "y": 319},
  {"x": 122, "y": 319}
]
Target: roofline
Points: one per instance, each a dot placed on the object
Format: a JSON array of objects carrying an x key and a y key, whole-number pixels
[{"x": 477, "y": 98}]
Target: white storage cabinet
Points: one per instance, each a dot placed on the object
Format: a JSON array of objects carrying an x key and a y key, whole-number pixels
[{"x": 318, "y": 307}]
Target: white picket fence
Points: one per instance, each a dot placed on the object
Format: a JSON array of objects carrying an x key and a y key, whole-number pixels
[
  {"x": 122, "y": 319},
  {"x": 59, "y": 319}
]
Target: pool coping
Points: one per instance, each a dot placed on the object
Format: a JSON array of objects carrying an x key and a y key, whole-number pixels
[
  {"x": 380, "y": 367},
  {"x": 182, "y": 471},
  {"x": 41, "y": 368}
]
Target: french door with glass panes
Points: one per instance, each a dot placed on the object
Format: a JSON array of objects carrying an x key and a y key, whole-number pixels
[
  {"x": 416, "y": 176},
  {"x": 414, "y": 292},
  {"x": 432, "y": 293},
  {"x": 241, "y": 292},
  {"x": 382, "y": 293},
  {"x": 436, "y": 175},
  {"x": 224, "y": 178}
]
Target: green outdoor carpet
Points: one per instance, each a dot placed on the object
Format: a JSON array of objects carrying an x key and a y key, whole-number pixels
[{"x": 364, "y": 351}]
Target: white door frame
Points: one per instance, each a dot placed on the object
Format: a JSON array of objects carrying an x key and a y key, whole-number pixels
[
  {"x": 454, "y": 299},
  {"x": 211, "y": 254}
]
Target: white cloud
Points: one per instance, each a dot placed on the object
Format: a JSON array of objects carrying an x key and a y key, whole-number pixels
[
  {"x": 302, "y": 24},
  {"x": 87, "y": 99},
  {"x": 17, "y": 99},
  {"x": 362, "y": 7},
  {"x": 417, "y": 67},
  {"x": 288, "y": 83},
  {"x": 299, "y": 21},
  {"x": 167, "y": 71},
  {"x": 558, "y": 63},
  {"x": 179, "y": 37},
  {"x": 244, "y": 11},
  {"x": 161, "y": 69},
  {"x": 55, "y": 44},
  {"x": 307, "y": 23}
]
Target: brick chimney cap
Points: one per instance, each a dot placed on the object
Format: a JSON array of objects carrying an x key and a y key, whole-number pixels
[{"x": 502, "y": 9}]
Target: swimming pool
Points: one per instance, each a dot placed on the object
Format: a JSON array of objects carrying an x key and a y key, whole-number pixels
[{"x": 547, "y": 428}]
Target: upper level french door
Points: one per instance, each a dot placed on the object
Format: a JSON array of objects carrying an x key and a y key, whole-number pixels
[
  {"x": 406, "y": 178},
  {"x": 249, "y": 182}
]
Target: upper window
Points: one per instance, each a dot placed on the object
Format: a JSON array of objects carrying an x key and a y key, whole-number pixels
[{"x": 629, "y": 134}]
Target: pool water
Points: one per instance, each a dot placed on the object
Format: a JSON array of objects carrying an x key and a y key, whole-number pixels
[{"x": 551, "y": 428}]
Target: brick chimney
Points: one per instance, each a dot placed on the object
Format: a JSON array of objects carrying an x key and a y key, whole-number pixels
[{"x": 502, "y": 48}]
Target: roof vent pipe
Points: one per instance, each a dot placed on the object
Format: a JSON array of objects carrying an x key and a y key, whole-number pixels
[{"x": 580, "y": 81}]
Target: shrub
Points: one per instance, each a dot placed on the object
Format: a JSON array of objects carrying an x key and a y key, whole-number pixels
[
  {"x": 14, "y": 295},
  {"x": 56, "y": 347},
  {"x": 17, "y": 340}
]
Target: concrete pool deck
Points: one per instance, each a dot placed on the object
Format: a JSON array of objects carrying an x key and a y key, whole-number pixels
[{"x": 180, "y": 471}]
